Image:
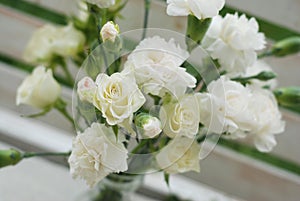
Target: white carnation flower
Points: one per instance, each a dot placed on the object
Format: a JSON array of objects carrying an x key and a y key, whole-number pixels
[
  {"x": 258, "y": 67},
  {"x": 39, "y": 89},
  {"x": 117, "y": 97},
  {"x": 233, "y": 40},
  {"x": 96, "y": 153},
  {"x": 179, "y": 156},
  {"x": 200, "y": 8},
  {"x": 155, "y": 63},
  {"x": 224, "y": 108},
  {"x": 267, "y": 116},
  {"x": 181, "y": 118},
  {"x": 102, "y": 3}
]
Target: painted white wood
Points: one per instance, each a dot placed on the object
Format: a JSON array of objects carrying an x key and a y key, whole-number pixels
[
  {"x": 37, "y": 179},
  {"x": 281, "y": 12}
]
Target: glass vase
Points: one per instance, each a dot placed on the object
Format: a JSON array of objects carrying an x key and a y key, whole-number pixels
[{"x": 115, "y": 187}]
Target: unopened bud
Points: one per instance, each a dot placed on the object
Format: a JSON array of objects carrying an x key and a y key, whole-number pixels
[
  {"x": 148, "y": 125},
  {"x": 86, "y": 89},
  {"x": 288, "y": 96},
  {"x": 265, "y": 76},
  {"x": 286, "y": 46},
  {"x": 9, "y": 157}
]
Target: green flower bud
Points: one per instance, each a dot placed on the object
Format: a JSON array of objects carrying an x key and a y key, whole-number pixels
[
  {"x": 286, "y": 46},
  {"x": 9, "y": 157},
  {"x": 265, "y": 76},
  {"x": 288, "y": 96}
]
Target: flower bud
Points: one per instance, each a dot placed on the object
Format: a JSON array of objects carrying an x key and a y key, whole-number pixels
[
  {"x": 287, "y": 46},
  {"x": 86, "y": 89},
  {"x": 288, "y": 96},
  {"x": 265, "y": 76},
  {"x": 9, "y": 157},
  {"x": 148, "y": 125},
  {"x": 39, "y": 89},
  {"x": 109, "y": 31}
]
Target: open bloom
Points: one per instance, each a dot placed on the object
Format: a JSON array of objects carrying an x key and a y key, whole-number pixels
[
  {"x": 200, "y": 8},
  {"x": 102, "y": 3},
  {"x": 233, "y": 40},
  {"x": 267, "y": 119},
  {"x": 51, "y": 40},
  {"x": 96, "y": 153},
  {"x": 224, "y": 108},
  {"x": 155, "y": 63},
  {"x": 117, "y": 97},
  {"x": 39, "y": 89},
  {"x": 181, "y": 118},
  {"x": 179, "y": 156}
]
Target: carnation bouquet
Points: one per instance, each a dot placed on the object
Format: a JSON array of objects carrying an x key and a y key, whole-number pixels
[{"x": 152, "y": 100}]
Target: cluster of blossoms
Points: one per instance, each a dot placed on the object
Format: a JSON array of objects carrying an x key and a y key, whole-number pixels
[{"x": 237, "y": 104}]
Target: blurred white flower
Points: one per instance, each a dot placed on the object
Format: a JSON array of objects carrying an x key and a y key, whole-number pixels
[
  {"x": 82, "y": 13},
  {"x": 258, "y": 67},
  {"x": 179, "y": 156},
  {"x": 200, "y": 8},
  {"x": 96, "y": 153},
  {"x": 182, "y": 117},
  {"x": 155, "y": 63},
  {"x": 233, "y": 40},
  {"x": 109, "y": 31},
  {"x": 117, "y": 97},
  {"x": 86, "y": 89},
  {"x": 224, "y": 108},
  {"x": 102, "y": 3},
  {"x": 51, "y": 40},
  {"x": 39, "y": 89},
  {"x": 68, "y": 41},
  {"x": 267, "y": 119}
]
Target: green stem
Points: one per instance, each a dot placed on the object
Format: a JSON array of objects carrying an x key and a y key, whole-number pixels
[
  {"x": 147, "y": 4},
  {"x": 61, "y": 106},
  {"x": 67, "y": 73},
  {"x": 139, "y": 146},
  {"x": 202, "y": 138},
  {"x": 35, "y": 154},
  {"x": 264, "y": 54}
]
